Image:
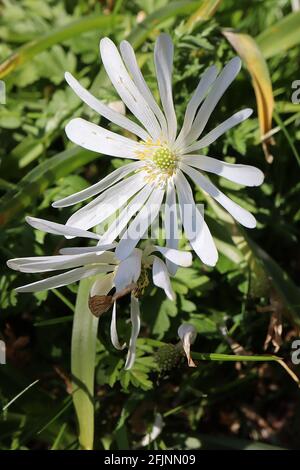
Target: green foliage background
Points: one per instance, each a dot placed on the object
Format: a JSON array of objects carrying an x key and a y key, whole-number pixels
[{"x": 219, "y": 404}]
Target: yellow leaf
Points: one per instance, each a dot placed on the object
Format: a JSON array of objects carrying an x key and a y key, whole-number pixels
[
  {"x": 206, "y": 10},
  {"x": 252, "y": 56}
]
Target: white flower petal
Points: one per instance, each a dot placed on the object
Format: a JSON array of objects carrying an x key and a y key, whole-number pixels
[
  {"x": 195, "y": 227},
  {"x": 171, "y": 224},
  {"x": 126, "y": 88},
  {"x": 98, "y": 250},
  {"x": 102, "y": 285},
  {"x": 40, "y": 264},
  {"x": 132, "y": 65},
  {"x": 140, "y": 224},
  {"x": 97, "y": 139},
  {"x": 187, "y": 334},
  {"x": 187, "y": 329},
  {"x": 107, "y": 203},
  {"x": 128, "y": 271},
  {"x": 163, "y": 57},
  {"x": 179, "y": 257},
  {"x": 161, "y": 277},
  {"x": 64, "y": 279},
  {"x": 59, "y": 229},
  {"x": 99, "y": 187},
  {"x": 220, "y": 85},
  {"x": 240, "y": 214},
  {"x": 135, "y": 329},
  {"x": 113, "y": 330},
  {"x": 213, "y": 135},
  {"x": 242, "y": 174},
  {"x": 155, "y": 431},
  {"x": 206, "y": 81},
  {"x": 121, "y": 222},
  {"x": 104, "y": 110}
]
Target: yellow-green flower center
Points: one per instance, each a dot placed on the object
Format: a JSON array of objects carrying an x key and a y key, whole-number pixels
[{"x": 164, "y": 159}]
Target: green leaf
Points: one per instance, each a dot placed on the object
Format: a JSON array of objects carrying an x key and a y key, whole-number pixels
[
  {"x": 288, "y": 291},
  {"x": 152, "y": 22},
  {"x": 40, "y": 178},
  {"x": 162, "y": 320},
  {"x": 281, "y": 36},
  {"x": 58, "y": 35},
  {"x": 264, "y": 270},
  {"x": 83, "y": 352},
  {"x": 65, "y": 187}
]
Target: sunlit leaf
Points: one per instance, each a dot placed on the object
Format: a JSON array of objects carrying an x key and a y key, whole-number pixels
[
  {"x": 281, "y": 36},
  {"x": 254, "y": 60}
]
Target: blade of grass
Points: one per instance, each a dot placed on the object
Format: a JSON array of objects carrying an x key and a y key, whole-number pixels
[
  {"x": 280, "y": 123},
  {"x": 83, "y": 356},
  {"x": 281, "y": 36},
  {"x": 19, "y": 395},
  {"x": 66, "y": 404},
  {"x": 58, "y": 35},
  {"x": 63, "y": 299},
  {"x": 56, "y": 443},
  {"x": 54, "y": 321}
]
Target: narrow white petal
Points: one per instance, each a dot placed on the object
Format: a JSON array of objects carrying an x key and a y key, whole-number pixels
[
  {"x": 135, "y": 329},
  {"x": 220, "y": 85},
  {"x": 213, "y": 135},
  {"x": 99, "y": 187},
  {"x": 97, "y": 139},
  {"x": 181, "y": 258},
  {"x": 121, "y": 222},
  {"x": 161, "y": 277},
  {"x": 163, "y": 57},
  {"x": 59, "y": 229},
  {"x": 126, "y": 88},
  {"x": 240, "y": 214},
  {"x": 132, "y": 65},
  {"x": 105, "y": 110},
  {"x": 99, "y": 249},
  {"x": 40, "y": 264},
  {"x": 195, "y": 227},
  {"x": 171, "y": 224},
  {"x": 107, "y": 203},
  {"x": 206, "y": 81},
  {"x": 64, "y": 279},
  {"x": 155, "y": 432},
  {"x": 140, "y": 224},
  {"x": 187, "y": 334},
  {"x": 128, "y": 271},
  {"x": 17, "y": 263},
  {"x": 102, "y": 285},
  {"x": 242, "y": 174},
  {"x": 113, "y": 330}
]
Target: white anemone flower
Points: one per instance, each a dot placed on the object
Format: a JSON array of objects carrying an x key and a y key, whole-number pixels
[
  {"x": 126, "y": 276},
  {"x": 164, "y": 157}
]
